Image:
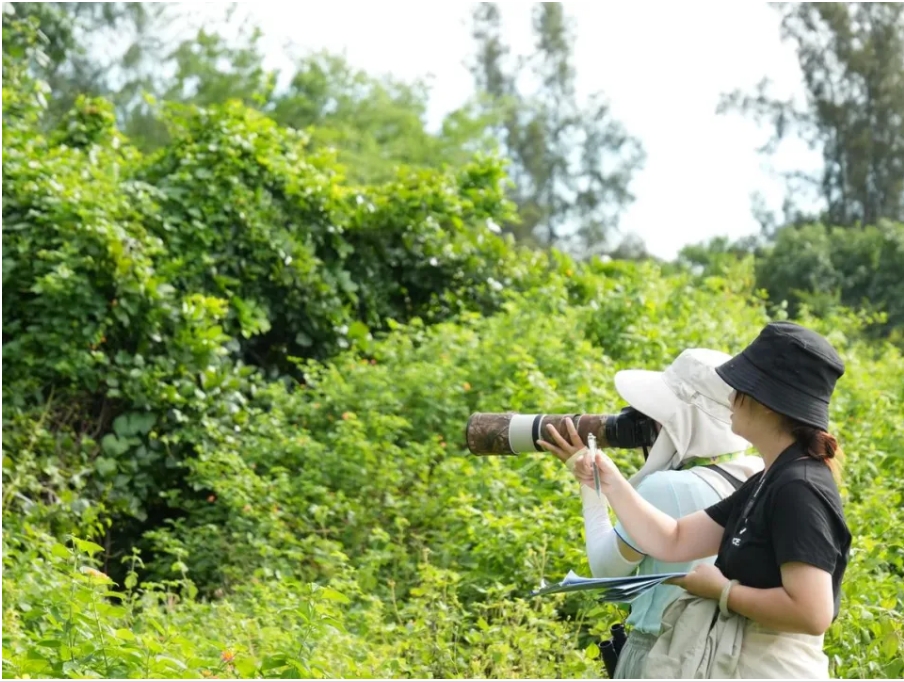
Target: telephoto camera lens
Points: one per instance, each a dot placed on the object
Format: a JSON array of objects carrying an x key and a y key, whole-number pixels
[{"x": 511, "y": 433}]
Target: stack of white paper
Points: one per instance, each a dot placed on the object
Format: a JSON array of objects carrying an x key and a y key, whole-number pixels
[{"x": 612, "y": 589}]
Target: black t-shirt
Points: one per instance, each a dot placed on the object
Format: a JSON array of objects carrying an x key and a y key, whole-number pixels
[{"x": 797, "y": 516}]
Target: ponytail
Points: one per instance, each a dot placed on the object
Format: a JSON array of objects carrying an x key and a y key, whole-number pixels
[{"x": 819, "y": 445}]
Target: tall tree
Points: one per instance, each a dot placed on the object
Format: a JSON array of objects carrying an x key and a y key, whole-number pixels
[
  {"x": 571, "y": 162},
  {"x": 852, "y": 58}
]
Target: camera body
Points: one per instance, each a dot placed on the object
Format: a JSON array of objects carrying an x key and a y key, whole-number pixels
[
  {"x": 630, "y": 428},
  {"x": 511, "y": 433}
]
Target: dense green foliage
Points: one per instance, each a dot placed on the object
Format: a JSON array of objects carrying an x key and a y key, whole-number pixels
[
  {"x": 359, "y": 483},
  {"x": 821, "y": 267},
  {"x": 140, "y": 292},
  {"x": 235, "y": 391}
]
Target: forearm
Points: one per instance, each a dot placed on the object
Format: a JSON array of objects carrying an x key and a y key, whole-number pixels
[
  {"x": 603, "y": 555},
  {"x": 774, "y": 608}
]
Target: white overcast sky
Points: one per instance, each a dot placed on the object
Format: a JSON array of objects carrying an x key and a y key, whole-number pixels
[{"x": 662, "y": 67}]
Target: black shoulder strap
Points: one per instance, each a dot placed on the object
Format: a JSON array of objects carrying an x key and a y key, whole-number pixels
[{"x": 733, "y": 481}]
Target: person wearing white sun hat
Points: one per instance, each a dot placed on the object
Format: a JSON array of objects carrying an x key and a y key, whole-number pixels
[{"x": 695, "y": 461}]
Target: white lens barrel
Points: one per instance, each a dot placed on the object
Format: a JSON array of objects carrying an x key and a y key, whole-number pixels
[{"x": 521, "y": 432}]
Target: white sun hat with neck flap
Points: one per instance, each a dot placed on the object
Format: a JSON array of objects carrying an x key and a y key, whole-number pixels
[{"x": 691, "y": 402}]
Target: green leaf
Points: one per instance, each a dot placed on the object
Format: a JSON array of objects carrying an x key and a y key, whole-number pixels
[
  {"x": 272, "y": 662},
  {"x": 358, "y": 331},
  {"x": 133, "y": 423},
  {"x": 157, "y": 626},
  {"x": 169, "y": 659},
  {"x": 246, "y": 668},
  {"x": 891, "y": 644},
  {"x": 143, "y": 422},
  {"x": 105, "y": 466},
  {"x": 114, "y": 446},
  {"x": 90, "y": 548},
  {"x": 121, "y": 426},
  {"x": 126, "y": 635},
  {"x": 60, "y": 551},
  {"x": 330, "y": 594}
]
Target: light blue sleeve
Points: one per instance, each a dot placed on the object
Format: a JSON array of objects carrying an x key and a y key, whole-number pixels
[{"x": 677, "y": 493}]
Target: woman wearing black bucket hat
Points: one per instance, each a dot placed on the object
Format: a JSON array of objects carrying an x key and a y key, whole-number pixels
[{"x": 782, "y": 540}]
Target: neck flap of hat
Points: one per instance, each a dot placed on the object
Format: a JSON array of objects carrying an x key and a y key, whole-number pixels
[
  {"x": 662, "y": 457},
  {"x": 689, "y": 433}
]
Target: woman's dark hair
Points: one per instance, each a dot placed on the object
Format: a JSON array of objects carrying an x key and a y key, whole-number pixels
[
  {"x": 816, "y": 443},
  {"x": 819, "y": 445}
]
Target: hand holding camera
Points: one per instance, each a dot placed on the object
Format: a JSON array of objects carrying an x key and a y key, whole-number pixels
[{"x": 563, "y": 449}]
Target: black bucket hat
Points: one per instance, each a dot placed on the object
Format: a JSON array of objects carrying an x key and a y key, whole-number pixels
[{"x": 790, "y": 369}]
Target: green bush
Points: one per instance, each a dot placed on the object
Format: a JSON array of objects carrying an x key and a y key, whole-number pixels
[
  {"x": 822, "y": 267},
  {"x": 308, "y": 264},
  {"x": 102, "y": 354},
  {"x": 147, "y": 299}
]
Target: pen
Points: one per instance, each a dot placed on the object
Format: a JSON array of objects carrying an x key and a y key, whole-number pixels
[{"x": 591, "y": 442}]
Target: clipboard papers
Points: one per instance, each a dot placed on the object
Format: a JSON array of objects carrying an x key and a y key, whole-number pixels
[{"x": 611, "y": 589}]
